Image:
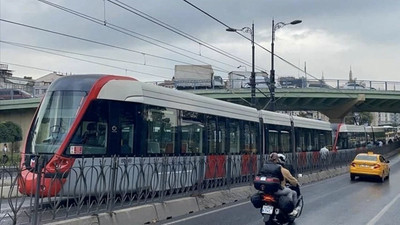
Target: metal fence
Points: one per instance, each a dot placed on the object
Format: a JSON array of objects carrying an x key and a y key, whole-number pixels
[{"x": 96, "y": 185}]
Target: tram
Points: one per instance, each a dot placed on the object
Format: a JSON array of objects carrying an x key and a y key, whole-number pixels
[
  {"x": 89, "y": 119},
  {"x": 347, "y": 136}
]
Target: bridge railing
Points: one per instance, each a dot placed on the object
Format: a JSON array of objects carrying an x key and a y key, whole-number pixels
[
  {"x": 339, "y": 84},
  {"x": 96, "y": 185}
]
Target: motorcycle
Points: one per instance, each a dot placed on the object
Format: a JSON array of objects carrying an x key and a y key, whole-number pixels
[
  {"x": 273, "y": 214},
  {"x": 272, "y": 204}
]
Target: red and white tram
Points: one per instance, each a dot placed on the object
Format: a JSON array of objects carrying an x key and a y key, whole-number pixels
[{"x": 88, "y": 119}]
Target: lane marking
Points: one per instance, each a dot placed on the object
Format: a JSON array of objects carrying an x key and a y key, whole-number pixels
[
  {"x": 206, "y": 213},
  {"x": 383, "y": 211}
]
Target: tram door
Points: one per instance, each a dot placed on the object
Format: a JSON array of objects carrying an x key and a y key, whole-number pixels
[
  {"x": 121, "y": 128},
  {"x": 114, "y": 128}
]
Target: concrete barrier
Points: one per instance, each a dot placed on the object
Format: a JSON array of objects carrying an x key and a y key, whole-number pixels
[
  {"x": 151, "y": 213},
  {"x": 7, "y": 192},
  {"x": 177, "y": 207},
  {"x": 145, "y": 214},
  {"x": 213, "y": 199}
]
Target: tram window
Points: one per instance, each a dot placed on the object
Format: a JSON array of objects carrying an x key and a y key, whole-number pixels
[
  {"x": 191, "y": 133},
  {"x": 273, "y": 141},
  {"x": 90, "y": 139},
  {"x": 211, "y": 134},
  {"x": 162, "y": 123},
  {"x": 234, "y": 136},
  {"x": 315, "y": 142},
  {"x": 127, "y": 119},
  {"x": 222, "y": 135},
  {"x": 252, "y": 137},
  {"x": 285, "y": 141},
  {"x": 91, "y": 136},
  {"x": 127, "y": 138},
  {"x": 322, "y": 140},
  {"x": 301, "y": 145},
  {"x": 309, "y": 140},
  {"x": 247, "y": 138}
]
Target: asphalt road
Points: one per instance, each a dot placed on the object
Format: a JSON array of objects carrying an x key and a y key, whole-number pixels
[{"x": 329, "y": 202}]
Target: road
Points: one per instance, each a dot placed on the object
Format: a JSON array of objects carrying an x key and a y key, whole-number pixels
[{"x": 330, "y": 202}]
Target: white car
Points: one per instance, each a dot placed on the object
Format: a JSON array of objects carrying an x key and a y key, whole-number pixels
[{"x": 353, "y": 86}]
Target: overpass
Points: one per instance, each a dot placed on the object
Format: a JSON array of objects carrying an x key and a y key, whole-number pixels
[
  {"x": 19, "y": 111},
  {"x": 334, "y": 103}
]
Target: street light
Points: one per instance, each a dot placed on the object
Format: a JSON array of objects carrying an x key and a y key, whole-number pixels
[
  {"x": 253, "y": 74},
  {"x": 240, "y": 66},
  {"x": 272, "y": 72}
]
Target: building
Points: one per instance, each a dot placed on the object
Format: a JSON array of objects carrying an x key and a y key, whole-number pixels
[
  {"x": 383, "y": 118},
  {"x": 7, "y": 81},
  {"x": 42, "y": 83}
]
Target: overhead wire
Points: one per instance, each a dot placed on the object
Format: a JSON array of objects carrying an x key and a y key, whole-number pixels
[
  {"x": 175, "y": 30},
  {"x": 25, "y": 66},
  {"x": 35, "y": 48},
  {"x": 284, "y": 60},
  {"x": 84, "y": 60},
  {"x": 134, "y": 34},
  {"x": 91, "y": 41},
  {"x": 82, "y": 54},
  {"x": 224, "y": 24}
]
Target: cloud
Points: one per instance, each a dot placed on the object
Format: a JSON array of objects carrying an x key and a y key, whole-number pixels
[{"x": 333, "y": 36}]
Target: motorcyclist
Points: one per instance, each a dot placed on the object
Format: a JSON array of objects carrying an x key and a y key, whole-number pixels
[
  {"x": 288, "y": 178},
  {"x": 282, "y": 162}
]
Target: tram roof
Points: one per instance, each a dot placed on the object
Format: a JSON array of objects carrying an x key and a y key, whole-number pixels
[
  {"x": 311, "y": 123},
  {"x": 135, "y": 91},
  {"x": 352, "y": 128}
]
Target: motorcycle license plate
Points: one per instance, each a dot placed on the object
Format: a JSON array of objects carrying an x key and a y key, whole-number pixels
[{"x": 267, "y": 209}]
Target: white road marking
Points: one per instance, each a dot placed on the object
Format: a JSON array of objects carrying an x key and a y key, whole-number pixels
[
  {"x": 206, "y": 213},
  {"x": 383, "y": 211}
]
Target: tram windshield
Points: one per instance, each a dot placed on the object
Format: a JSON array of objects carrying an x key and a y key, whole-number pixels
[{"x": 54, "y": 119}]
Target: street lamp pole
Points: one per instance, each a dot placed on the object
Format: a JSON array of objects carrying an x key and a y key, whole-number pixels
[
  {"x": 272, "y": 72},
  {"x": 253, "y": 74}
]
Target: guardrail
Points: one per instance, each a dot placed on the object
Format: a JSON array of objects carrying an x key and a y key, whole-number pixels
[{"x": 96, "y": 185}]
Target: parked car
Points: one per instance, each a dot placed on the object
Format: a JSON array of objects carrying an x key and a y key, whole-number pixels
[{"x": 8, "y": 94}]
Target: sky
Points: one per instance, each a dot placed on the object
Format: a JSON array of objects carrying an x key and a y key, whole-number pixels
[{"x": 145, "y": 39}]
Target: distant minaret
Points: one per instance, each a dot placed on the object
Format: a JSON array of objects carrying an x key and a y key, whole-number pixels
[{"x": 350, "y": 75}]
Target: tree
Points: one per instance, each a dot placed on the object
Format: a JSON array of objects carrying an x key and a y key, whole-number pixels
[
  {"x": 10, "y": 132},
  {"x": 359, "y": 118}
]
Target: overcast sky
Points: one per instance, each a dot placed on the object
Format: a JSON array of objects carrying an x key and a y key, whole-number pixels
[{"x": 334, "y": 36}]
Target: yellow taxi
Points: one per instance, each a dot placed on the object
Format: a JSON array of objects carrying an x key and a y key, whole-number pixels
[{"x": 369, "y": 164}]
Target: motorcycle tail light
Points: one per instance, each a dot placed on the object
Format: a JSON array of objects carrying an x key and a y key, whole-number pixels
[
  {"x": 268, "y": 198},
  {"x": 274, "y": 180}
]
